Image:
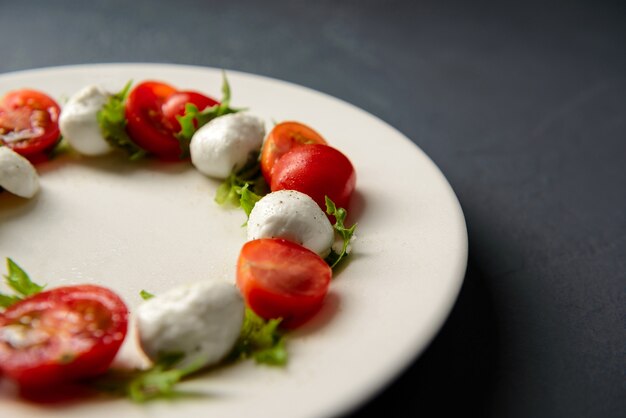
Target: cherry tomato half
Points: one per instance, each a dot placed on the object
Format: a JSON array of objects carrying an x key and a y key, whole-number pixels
[
  {"x": 316, "y": 170},
  {"x": 151, "y": 110},
  {"x": 29, "y": 122},
  {"x": 282, "y": 138},
  {"x": 281, "y": 279},
  {"x": 175, "y": 106},
  {"x": 61, "y": 335}
]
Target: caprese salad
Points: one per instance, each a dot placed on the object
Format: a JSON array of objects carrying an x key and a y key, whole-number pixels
[{"x": 293, "y": 186}]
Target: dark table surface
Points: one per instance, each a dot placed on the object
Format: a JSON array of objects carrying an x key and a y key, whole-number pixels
[{"x": 523, "y": 107}]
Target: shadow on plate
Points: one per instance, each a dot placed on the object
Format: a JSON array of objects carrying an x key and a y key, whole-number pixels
[
  {"x": 12, "y": 206},
  {"x": 115, "y": 163},
  {"x": 331, "y": 306},
  {"x": 455, "y": 375}
]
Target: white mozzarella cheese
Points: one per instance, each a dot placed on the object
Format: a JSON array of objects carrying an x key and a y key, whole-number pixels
[
  {"x": 226, "y": 143},
  {"x": 202, "y": 320},
  {"x": 79, "y": 123},
  {"x": 294, "y": 216},
  {"x": 17, "y": 174}
]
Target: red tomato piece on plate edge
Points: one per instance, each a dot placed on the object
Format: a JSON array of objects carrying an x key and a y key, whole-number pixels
[
  {"x": 29, "y": 123},
  {"x": 281, "y": 279},
  {"x": 61, "y": 335}
]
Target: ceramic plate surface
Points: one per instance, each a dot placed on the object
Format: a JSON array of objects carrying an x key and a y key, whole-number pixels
[{"x": 150, "y": 225}]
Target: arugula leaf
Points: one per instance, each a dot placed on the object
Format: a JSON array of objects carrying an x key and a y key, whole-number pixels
[
  {"x": 260, "y": 340},
  {"x": 157, "y": 382},
  {"x": 243, "y": 188},
  {"x": 227, "y": 191},
  {"x": 7, "y": 300},
  {"x": 346, "y": 234},
  {"x": 112, "y": 121},
  {"x": 248, "y": 198},
  {"x": 18, "y": 280},
  {"x": 194, "y": 118},
  {"x": 145, "y": 295},
  {"x": 160, "y": 379}
]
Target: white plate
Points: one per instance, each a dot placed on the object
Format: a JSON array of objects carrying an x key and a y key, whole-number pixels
[{"x": 151, "y": 226}]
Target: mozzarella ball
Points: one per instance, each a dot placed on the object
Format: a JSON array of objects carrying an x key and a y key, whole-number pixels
[
  {"x": 202, "y": 320},
  {"x": 294, "y": 216},
  {"x": 226, "y": 143},
  {"x": 17, "y": 174},
  {"x": 79, "y": 122}
]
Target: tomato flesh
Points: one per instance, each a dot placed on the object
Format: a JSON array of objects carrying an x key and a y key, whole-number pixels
[
  {"x": 151, "y": 109},
  {"x": 281, "y": 279},
  {"x": 29, "y": 122},
  {"x": 282, "y": 138},
  {"x": 318, "y": 171},
  {"x": 61, "y": 335}
]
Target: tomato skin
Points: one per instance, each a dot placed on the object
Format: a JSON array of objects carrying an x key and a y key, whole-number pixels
[
  {"x": 281, "y": 279},
  {"x": 175, "y": 106},
  {"x": 316, "y": 170},
  {"x": 282, "y": 138},
  {"x": 144, "y": 116},
  {"x": 151, "y": 109},
  {"x": 32, "y": 116},
  {"x": 61, "y": 335}
]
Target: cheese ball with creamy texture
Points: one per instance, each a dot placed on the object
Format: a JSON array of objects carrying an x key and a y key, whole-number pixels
[
  {"x": 226, "y": 143},
  {"x": 202, "y": 321},
  {"x": 79, "y": 122},
  {"x": 17, "y": 174},
  {"x": 294, "y": 216}
]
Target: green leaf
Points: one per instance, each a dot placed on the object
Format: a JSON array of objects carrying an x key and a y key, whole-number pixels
[
  {"x": 243, "y": 188},
  {"x": 157, "y": 382},
  {"x": 248, "y": 198},
  {"x": 19, "y": 281},
  {"x": 112, "y": 121},
  {"x": 261, "y": 340},
  {"x": 160, "y": 380},
  {"x": 7, "y": 300},
  {"x": 145, "y": 295},
  {"x": 194, "y": 118},
  {"x": 346, "y": 234}
]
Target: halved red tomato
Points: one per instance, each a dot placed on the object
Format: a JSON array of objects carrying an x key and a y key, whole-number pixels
[
  {"x": 175, "y": 106},
  {"x": 151, "y": 110},
  {"x": 283, "y": 138},
  {"x": 316, "y": 170},
  {"x": 281, "y": 279},
  {"x": 61, "y": 335},
  {"x": 29, "y": 122}
]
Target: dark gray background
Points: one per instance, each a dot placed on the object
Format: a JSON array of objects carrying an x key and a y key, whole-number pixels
[{"x": 521, "y": 104}]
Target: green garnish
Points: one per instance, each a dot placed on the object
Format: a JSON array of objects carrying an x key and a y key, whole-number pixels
[
  {"x": 8, "y": 300},
  {"x": 346, "y": 234},
  {"x": 194, "y": 118},
  {"x": 243, "y": 188},
  {"x": 145, "y": 295},
  {"x": 248, "y": 199},
  {"x": 112, "y": 121},
  {"x": 260, "y": 340},
  {"x": 157, "y": 382},
  {"x": 20, "y": 282},
  {"x": 160, "y": 379}
]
